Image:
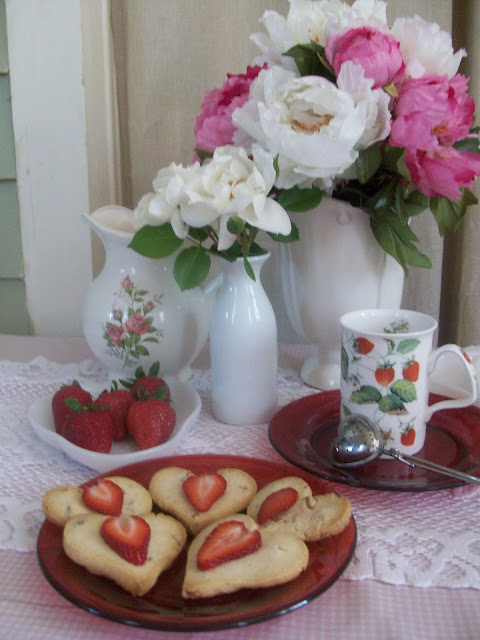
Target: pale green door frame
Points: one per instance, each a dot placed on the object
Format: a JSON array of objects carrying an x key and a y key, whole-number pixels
[{"x": 13, "y": 306}]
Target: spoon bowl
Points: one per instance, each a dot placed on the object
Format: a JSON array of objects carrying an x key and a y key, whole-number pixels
[{"x": 360, "y": 440}]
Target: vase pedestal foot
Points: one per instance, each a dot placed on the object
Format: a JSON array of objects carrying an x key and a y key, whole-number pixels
[{"x": 321, "y": 374}]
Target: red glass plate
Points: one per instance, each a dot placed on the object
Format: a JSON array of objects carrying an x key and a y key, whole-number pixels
[
  {"x": 163, "y": 608},
  {"x": 303, "y": 431}
]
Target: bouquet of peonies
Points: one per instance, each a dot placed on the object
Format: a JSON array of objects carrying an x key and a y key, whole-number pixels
[{"x": 339, "y": 103}]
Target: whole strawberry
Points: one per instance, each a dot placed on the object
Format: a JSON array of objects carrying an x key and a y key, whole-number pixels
[
  {"x": 89, "y": 427},
  {"x": 147, "y": 383},
  {"x": 150, "y": 421},
  {"x": 118, "y": 403},
  {"x": 60, "y": 410}
]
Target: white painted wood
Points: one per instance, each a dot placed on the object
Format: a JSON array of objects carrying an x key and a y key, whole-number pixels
[
  {"x": 66, "y": 138},
  {"x": 45, "y": 53}
]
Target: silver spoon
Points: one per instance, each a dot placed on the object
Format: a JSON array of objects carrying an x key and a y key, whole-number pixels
[{"x": 360, "y": 440}]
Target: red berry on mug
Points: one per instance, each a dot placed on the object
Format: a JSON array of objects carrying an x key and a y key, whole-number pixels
[
  {"x": 410, "y": 370},
  {"x": 384, "y": 375},
  {"x": 408, "y": 437},
  {"x": 363, "y": 346}
]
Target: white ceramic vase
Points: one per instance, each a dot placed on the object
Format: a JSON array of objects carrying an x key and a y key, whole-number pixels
[
  {"x": 337, "y": 266},
  {"x": 243, "y": 347},
  {"x": 134, "y": 313}
]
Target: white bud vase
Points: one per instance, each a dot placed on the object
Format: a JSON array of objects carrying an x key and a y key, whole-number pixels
[{"x": 243, "y": 347}]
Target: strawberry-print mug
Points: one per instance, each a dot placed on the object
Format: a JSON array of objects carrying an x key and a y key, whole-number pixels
[{"x": 386, "y": 362}]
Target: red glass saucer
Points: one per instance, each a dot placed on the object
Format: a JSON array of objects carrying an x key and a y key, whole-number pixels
[
  {"x": 303, "y": 431},
  {"x": 163, "y": 608}
]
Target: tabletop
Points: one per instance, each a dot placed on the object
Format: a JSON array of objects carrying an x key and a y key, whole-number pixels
[{"x": 415, "y": 571}]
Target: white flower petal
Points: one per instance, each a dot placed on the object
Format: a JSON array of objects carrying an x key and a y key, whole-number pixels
[{"x": 426, "y": 48}]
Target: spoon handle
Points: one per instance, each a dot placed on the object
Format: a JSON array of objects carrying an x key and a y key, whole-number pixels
[{"x": 432, "y": 466}]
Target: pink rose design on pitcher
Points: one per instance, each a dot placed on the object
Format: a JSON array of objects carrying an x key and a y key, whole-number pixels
[
  {"x": 116, "y": 333},
  {"x": 136, "y": 324},
  {"x": 127, "y": 340}
]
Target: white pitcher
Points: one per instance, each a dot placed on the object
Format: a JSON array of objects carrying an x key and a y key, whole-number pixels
[{"x": 134, "y": 312}]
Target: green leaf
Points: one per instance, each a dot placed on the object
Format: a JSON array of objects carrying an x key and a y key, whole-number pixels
[
  {"x": 470, "y": 144},
  {"x": 397, "y": 239},
  {"x": 248, "y": 269},
  {"x": 197, "y": 234},
  {"x": 155, "y": 241},
  {"x": 367, "y": 163},
  {"x": 299, "y": 200},
  {"x": 154, "y": 369},
  {"x": 344, "y": 363},
  {"x": 405, "y": 390},
  {"x": 235, "y": 225},
  {"x": 293, "y": 236},
  {"x": 365, "y": 395},
  {"x": 407, "y": 346},
  {"x": 392, "y": 405},
  {"x": 311, "y": 61},
  {"x": 416, "y": 203},
  {"x": 191, "y": 267},
  {"x": 393, "y": 160},
  {"x": 449, "y": 214},
  {"x": 140, "y": 350},
  {"x": 276, "y": 167},
  {"x": 203, "y": 155}
]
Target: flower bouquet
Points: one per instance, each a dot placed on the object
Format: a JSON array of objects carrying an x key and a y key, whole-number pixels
[{"x": 337, "y": 103}]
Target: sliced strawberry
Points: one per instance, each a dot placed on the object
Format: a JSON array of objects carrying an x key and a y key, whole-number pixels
[
  {"x": 104, "y": 496},
  {"x": 204, "y": 489},
  {"x": 128, "y": 536},
  {"x": 277, "y": 502},
  {"x": 228, "y": 541}
]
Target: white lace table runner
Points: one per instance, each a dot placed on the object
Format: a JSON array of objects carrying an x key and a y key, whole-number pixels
[{"x": 419, "y": 539}]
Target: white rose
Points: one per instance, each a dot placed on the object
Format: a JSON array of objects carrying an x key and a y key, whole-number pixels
[
  {"x": 312, "y": 125},
  {"x": 233, "y": 185},
  {"x": 164, "y": 205},
  {"x": 426, "y": 48}
]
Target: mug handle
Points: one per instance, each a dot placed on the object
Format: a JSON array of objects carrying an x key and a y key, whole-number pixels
[{"x": 472, "y": 375}]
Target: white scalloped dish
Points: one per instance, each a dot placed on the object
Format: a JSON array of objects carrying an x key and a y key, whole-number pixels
[{"x": 185, "y": 401}]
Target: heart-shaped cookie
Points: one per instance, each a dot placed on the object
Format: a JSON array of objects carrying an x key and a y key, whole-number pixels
[
  {"x": 62, "y": 503},
  {"x": 279, "y": 558},
  {"x": 166, "y": 489},
  {"x": 84, "y": 544},
  {"x": 309, "y": 517}
]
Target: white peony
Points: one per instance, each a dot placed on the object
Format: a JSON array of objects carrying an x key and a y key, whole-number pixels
[
  {"x": 313, "y": 126},
  {"x": 308, "y": 20},
  {"x": 351, "y": 79},
  {"x": 426, "y": 48}
]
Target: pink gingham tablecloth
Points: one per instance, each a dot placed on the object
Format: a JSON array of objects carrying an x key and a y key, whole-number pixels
[{"x": 415, "y": 572}]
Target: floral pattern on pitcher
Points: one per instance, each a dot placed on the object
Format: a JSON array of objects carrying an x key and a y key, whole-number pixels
[
  {"x": 132, "y": 325},
  {"x": 384, "y": 377}
]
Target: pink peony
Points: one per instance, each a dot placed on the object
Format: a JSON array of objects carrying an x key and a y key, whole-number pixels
[
  {"x": 442, "y": 172},
  {"x": 214, "y": 127},
  {"x": 432, "y": 110},
  {"x": 136, "y": 324},
  {"x": 116, "y": 333},
  {"x": 378, "y": 53}
]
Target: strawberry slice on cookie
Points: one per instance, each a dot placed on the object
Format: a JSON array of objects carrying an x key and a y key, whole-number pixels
[
  {"x": 235, "y": 553},
  {"x": 130, "y": 550},
  {"x": 197, "y": 499},
  {"x": 288, "y": 504}
]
